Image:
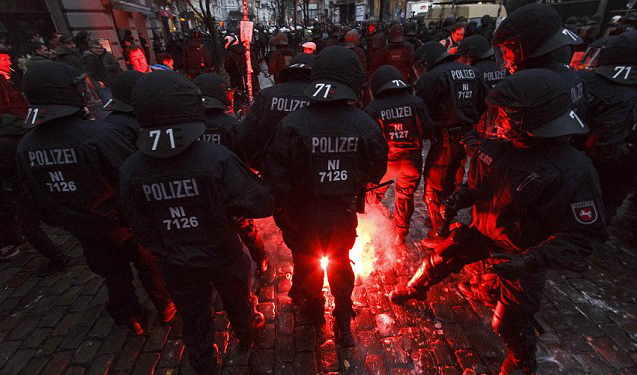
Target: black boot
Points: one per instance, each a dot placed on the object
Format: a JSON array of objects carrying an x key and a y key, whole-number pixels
[
  {"x": 343, "y": 330},
  {"x": 420, "y": 283}
]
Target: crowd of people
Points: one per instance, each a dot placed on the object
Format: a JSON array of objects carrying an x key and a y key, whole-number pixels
[{"x": 170, "y": 179}]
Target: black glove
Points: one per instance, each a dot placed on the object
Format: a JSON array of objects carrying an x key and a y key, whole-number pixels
[
  {"x": 516, "y": 265},
  {"x": 449, "y": 208}
]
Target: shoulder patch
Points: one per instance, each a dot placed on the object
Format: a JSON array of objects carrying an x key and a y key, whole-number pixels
[{"x": 585, "y": 212}]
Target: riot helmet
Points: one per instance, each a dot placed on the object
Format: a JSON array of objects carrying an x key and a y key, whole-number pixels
[
  {"x": 532, "y": 31},
  {"x": 396, "y": 33},
  {"x": 300, "y": 67},
  {"x": 170, "y": 111},
  {"x": 53, "y": 90},
  {"x": 533, "y": 103},
  {"x": 387, "y": 78},
  {"x": 122, "y": 90},
  {"x": 428, "y": 56},
  {"x": 474, "y": 47},
  {"x": 337, "y": 74},
  {"x": 214, "y": 90}
]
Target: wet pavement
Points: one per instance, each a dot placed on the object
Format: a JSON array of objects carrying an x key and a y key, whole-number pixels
[{"x": 58, "y": 325}]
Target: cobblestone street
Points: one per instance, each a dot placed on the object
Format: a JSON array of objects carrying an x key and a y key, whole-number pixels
[{"x": 58, "y": 325}]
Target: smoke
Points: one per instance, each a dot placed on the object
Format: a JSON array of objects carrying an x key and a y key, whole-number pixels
[{"x": 375, "y": 248}]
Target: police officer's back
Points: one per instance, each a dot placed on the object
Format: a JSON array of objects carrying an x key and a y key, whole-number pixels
[
  {"x": 398, "y": 52},
  {"x": 611, "y": 83},
  {"x": 271, "y": 105},
  {"x": 476, "y": 51},
  {"x": 321, "y": 158},
  {"x": 454, "y": 94},
  {"x": 69, "y": 165},
  {"x": 179, "y": 195},
  {"x": 452, "y": 91},
  {"x": 281, "y": 57},
  {"x": 122, "y": 119},
  {"x": 221, "y": 128},
  {"x": 533, "y": 37},
  {"x": 405, "y": 122}
]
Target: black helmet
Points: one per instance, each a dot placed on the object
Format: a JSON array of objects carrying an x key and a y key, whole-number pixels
[
  {"x": 386, "y": 78},
  {"x": 122, "y": 90},
  {"x": 428, "y": 56},
  {"x": 476, "y": 47},
  {"x": 170, "y": 111},
  {"x": 301, "y": 63},
  {"x": 532, "y": 103},
  {"x": 410, "y": 28},
  {"x": 448, "y": 23},
  {"x": 337, "y": 74},
  {"x": 531, "y": 31},
  {"x": 396, "y": 33},
  {"x": 616, "y": 58},
  {"x": 214, "y": 90},
  {"x": 53, "y": 90}
]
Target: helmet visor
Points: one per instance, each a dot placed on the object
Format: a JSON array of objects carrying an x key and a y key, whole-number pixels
[
  {"x": 505, "y": 123},
  {"x": 591, "y": 58},
  {"x": 509, "y": 55}
]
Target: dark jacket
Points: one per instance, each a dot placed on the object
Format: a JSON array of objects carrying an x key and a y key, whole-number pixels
[
  {"x": 188, "y": 221},
  {"x": 404, "y": 120},
  {"x": 270, "y": 106},
  {"x": 69, "y": 57},
  {"x": 401, "y": 56},
  {"x": 125, "y": 125},
  {"x": 101, "y": 68},
  {"x": 222, "y": 129},
  {"x": 454, "y": 93},
  {"x": 491, "y": 73},
  {"x": 69, "y": 166},
  {"x": 197, "y": 57},
  {"x": 548, "y": 204},
  {"x": 325, "y": 151},
  {"x": 279, "y": 60},
  {"x": 611, "y": 116}
]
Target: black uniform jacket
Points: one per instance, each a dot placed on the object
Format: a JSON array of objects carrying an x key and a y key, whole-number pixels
[
  {"x": 454, "y": 93},
  {"x": 544, "y": 200},
  {"x": 69, "y": 165},
  {"x": 270, "y": 106},
  {"x": 329, "y": 150},
  {"x": 611, "y": 115},
  {"x": 181, "y": 207},
  {"x": 404, "y": 120}
]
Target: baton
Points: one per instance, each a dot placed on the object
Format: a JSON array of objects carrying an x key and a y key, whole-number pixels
[{"x": 386, "y": 183}]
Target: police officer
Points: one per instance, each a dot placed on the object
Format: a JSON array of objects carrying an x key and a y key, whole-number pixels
[
  {"x": 122, "y": 119},
  {"x": 533, "y": 37},
  {"x": 454, "y": 94},
  {"x": 404, "y": 120},
  {"x": 281, "y": 57},
  {"x": 398, "y": 52},
  {"x": 222, "y": 129},
  {"x": 410, "y": 34},
  {"x": 271, "y": 105},
  {"x": 376, "y": 41},
  {"x": 321, "y": 158},
  {"x": 179, "y": 195},
  {"x": 549, "y": 213},
  {"x": 476, "y": 51},
  {"x": 352, "y": 39},
  {"x": 610, "y": 76},
  {"x": 69, "y": 165}
]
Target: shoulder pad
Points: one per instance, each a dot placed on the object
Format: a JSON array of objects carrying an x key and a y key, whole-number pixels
[{"x": 624, "y": 75}]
